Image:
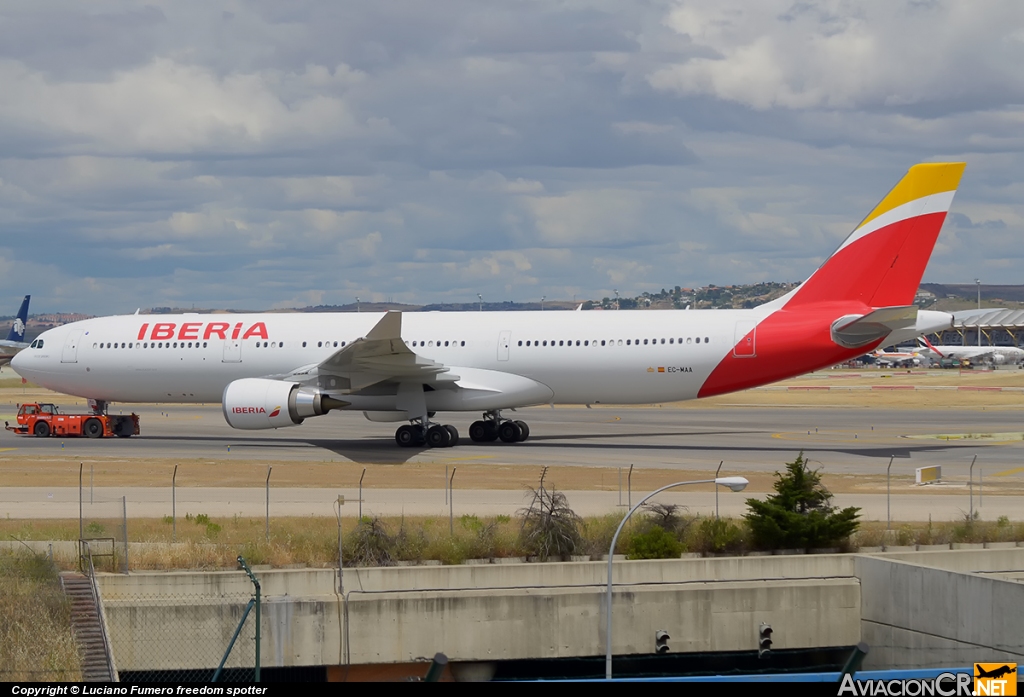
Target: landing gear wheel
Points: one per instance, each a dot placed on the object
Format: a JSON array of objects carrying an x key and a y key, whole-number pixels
[
  {"x": 438, "y": 436},
  {"x": 525, "y": 429},
  {"x": 455, "y": 436},
  {"x": 478, "y": 431},
  {"x": 41, "y": 430},
  {"x": 93, "y": 428},
  {"x": 509, "y": 432},
  {"x": 407, "y": 436}
]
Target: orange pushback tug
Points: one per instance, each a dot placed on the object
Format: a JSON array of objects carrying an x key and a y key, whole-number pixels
[{"x": 43, "y": 420}]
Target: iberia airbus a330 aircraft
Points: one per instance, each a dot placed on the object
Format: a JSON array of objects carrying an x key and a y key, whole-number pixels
[{"x": 275, "y": 370}]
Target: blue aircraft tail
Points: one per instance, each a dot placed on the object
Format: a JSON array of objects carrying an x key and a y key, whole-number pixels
[{"x": 17, "y": 332}]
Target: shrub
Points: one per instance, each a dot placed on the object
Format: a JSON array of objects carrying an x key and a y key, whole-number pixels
[
  {"x": 370, "y": 544},
  {"x": 800, "y": 514},
  {"x": 654, "y": 543},
  {"x": 597, "y": 534},
  {"x": 715, "y": 536},
  {"x": 550, "y": 528}
]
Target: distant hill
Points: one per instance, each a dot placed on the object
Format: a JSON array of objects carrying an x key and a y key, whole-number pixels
[
  {"x": 969, "y": 291},
  {"x": 948, "y": 297}
]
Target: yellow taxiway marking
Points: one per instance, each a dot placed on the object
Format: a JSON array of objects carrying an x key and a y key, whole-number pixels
[
  {"x": 470, "y": 459},
  {"x": 617, "y": 418},
  {"x": 1007, "y": 473},
  {"x": 4, "y": 450}
]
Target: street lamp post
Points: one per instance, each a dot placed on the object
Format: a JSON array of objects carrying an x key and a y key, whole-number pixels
[
  {"x": 734, "y": 483},
  {"x": 542, "y": 299},
  {"x": 358, "y": 309},
  {"x": 888, "y": 491},
  {"x": 616, "y": 298},
  {"x": 977, "y": 281},
  {"x": 481, "y": 299}
]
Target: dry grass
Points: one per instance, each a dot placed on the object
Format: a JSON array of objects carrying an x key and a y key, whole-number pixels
[
  {"x": 36, "y": 641},
  {"x": 874, "y": 534},
  {"x": 205, "y": 543}
]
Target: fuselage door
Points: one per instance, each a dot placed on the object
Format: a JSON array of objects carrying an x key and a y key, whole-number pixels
[
  {"x": 70, "y": 352},
  {"x": 504, "y": 340},
  {"x": 744, "y": 344},
  {"x": 232, "y": 351}
]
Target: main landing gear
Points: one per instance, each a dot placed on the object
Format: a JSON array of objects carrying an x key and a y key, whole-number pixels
[
  {"x": 434, "y": 436},
  {"x": 492, "y": 427},
  {"x": 489, "y": 429}
]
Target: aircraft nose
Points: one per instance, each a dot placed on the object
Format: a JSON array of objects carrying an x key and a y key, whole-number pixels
[{"x": 17, "y": 362}]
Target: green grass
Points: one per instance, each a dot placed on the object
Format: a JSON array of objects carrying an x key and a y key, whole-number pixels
[
  {"x": 205, "y": 542},
  {"x": 36, "y": 641}
]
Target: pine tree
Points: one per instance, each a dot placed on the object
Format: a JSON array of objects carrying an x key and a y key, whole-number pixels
[{"x": 800, "y": 514}]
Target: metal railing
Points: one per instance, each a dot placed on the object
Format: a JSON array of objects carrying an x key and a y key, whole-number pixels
[{"x": 100, "y": 615}]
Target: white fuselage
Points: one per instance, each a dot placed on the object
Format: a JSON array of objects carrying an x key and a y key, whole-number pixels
[
  {"x": 996, "y": 353},
  {"x": 583, "y": 357}
]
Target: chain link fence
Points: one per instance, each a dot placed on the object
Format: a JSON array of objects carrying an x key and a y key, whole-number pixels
[{"x": 182, "y": 638}]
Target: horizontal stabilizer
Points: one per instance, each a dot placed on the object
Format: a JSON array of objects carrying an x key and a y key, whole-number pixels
[{"x": 854, "y": 331}]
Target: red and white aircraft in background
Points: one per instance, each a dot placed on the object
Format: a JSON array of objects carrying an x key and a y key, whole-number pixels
[
  {"x": 996, "y": 354},
  {"x": 275, "y": 370},
  {"x": 897, "y": 358}
]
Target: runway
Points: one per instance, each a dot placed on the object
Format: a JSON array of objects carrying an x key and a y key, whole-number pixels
[
  {"x": 851, "y": 445},
  {"x": 761, "y": 438},
  {"x": 151, "y": 502}
]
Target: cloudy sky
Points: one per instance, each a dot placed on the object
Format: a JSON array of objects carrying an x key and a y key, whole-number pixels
[{"x": 272, "y": 154}]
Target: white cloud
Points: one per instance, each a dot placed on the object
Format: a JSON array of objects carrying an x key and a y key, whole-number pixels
[
  {"x": 840, "y": 55},
  {"x": 269, "y": 155},
  {"x": 586, "y": 218},
  {"x": 169, "y": 107}
]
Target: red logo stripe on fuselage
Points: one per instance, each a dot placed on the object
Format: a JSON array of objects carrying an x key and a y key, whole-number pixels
[
  {"x": 786, "y": 343},
  {"x": 162, "y": 331}
]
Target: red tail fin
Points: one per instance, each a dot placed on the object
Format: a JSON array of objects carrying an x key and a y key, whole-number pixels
[
  {"x": 882, "y": 261},
  {"x": 929, "y": 345}
]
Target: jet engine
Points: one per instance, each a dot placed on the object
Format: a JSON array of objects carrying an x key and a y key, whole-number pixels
[{"x": 255, "y": 403}]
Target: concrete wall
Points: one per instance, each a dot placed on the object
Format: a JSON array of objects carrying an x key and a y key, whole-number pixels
[
  {"x": 916, "y": 616},
  {"x": 176, "y": 620},
  {"x": 915, "y": 609}
]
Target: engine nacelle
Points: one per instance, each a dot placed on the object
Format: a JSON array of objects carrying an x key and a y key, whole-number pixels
[{"x": 254, "y": 404}]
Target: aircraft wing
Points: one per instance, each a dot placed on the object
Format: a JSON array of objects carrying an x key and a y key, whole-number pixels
[{"x": 379, "y": 356}]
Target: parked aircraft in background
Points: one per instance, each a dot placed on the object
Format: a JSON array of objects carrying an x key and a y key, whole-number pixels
[
  {"x": 895, "y": 359},
  {"x": 275, "y": 370},
  {"x": 995, "y": 354},
  {"x": 15, "y": 340}
]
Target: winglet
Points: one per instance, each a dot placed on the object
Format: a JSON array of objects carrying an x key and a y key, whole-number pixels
[{"x": 389, "y": 327}]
